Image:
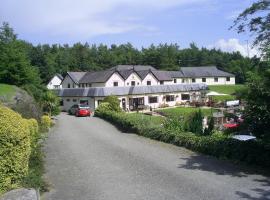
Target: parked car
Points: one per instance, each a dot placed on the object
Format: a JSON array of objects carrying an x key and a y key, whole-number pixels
[{"x": 80, "y": 110}]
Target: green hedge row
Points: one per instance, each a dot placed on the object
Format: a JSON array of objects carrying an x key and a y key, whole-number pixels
[
  {"x": 18, "y": 138},
  {"x": 252, "y": 152}
]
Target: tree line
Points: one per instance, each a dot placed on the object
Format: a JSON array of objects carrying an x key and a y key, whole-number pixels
[{"x": 22, "y": 63}]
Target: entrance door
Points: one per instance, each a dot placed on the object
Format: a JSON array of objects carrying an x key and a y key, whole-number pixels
[
  {"x": 124, "y": 104},
  {"x": 136, "y": 103}
]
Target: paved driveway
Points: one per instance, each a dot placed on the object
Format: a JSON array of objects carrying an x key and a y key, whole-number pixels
[{"x": 89, "y": 159}]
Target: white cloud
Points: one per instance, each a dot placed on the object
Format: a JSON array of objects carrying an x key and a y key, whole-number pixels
[
  {"x": 234, "y": 45},
  {"x": 83, "y": 19}
]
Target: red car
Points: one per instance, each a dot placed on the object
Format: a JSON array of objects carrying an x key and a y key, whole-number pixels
[{"x": 80, "y": 110}]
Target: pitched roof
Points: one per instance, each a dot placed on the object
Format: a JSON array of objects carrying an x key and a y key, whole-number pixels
[
  {"x": 132, "y": 67},
  {"x": 204, "y": 71},
  {"x": 162, "y": 75},
  {"x": 76, "y": 76},
  {"x": 59, "y": 76},
  {"x": 138, "y": 90},
  {"x": 96, "y": 77}
]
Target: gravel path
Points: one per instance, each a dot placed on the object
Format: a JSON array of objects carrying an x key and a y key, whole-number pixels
[{"x": 89, "y": 159}]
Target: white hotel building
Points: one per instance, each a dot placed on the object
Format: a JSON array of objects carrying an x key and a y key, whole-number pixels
[{"x": 141, "y": 86}]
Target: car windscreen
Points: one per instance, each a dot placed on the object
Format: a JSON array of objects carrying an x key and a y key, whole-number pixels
[{"x": 84, "y": 106}]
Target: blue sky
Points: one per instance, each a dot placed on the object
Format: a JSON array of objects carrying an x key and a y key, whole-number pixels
[{"x": 140, "y": 22}]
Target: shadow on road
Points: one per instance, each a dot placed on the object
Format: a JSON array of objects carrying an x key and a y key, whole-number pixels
[{"x": 204, "y": 163}]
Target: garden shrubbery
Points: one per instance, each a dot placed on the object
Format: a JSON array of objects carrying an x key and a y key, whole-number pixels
[
  {"x": 15, "y": 143},
  {"x": 218, "y": 145},
  {"x": 20, "y": 150}
]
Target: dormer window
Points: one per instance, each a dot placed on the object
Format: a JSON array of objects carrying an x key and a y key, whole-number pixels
[
  {"x": 174, "y": 80},
  {"x": 148, "y": 82},
  {"x": 68, "y": 85},
  {"x": 133, "y": 83}
]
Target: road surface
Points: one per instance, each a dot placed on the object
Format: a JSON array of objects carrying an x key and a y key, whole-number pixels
[{"x": 89, "y": 159}]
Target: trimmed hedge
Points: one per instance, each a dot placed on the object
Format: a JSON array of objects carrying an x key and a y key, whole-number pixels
[
  {"x": 15, "y": 148},
  {"x": 252, "y": 152}
]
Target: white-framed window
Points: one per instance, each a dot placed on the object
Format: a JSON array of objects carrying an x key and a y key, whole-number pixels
[
  {"x": 185, "y": 97},
  {"x": 175, "y": 80},
  {"x": 216, "y": 79},
  {"x": 193, "y": 80},
  {"x": 203, "y": 80},
  {"x": 170, "y": 98},
  {"x": 133, "y": 83},
  {"x": 228, "y": 79},
  {"x": 153, "y": 99},
  {"x": 148, "y": 82}
]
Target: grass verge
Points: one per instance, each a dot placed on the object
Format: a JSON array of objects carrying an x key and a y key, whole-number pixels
[
  {"x": 35, "y": 179},
  {"x": 7, "y": 91}
]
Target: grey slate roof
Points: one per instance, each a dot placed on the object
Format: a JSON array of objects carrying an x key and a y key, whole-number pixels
[
  {"x": 76, "y": 76},
  {"x": 206, "y": 71},
  {"x": 123, "y": 91},
  {"x": 131, "y": 67},
  {"x": 96, "y": 77},
  {"x": 143, "y": 70},
  {"x": 162, "y": 75},
  {"x": 59, "y": 76}
]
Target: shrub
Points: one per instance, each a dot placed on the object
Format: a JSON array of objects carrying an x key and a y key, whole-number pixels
[
  {"x": 45, "y": 123},
  {"x": 113, "y": 102},
  {"x": 14, "y": 148},
  {"x": 50, "y": 103},
  {"x": 103, "y": 107},
  {"x": 194, "y": 123},
  {"x": 34, "y": 131}
]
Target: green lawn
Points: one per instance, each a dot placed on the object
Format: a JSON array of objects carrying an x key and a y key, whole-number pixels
[
  {"x": 225, "y": 89},
  {"x": 7, "y": 91},
  {"x": 184, "y": 111},
  {"x": 157, "y": 120}
]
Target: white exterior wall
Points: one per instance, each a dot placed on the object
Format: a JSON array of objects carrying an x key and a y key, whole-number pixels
[
  {"x": 55, "y": 83},
  {"x": 97, "y": 84},
  {"x": 151, "y": 78},
  {"x": 168, "y": 82},
  {"x": 76, "y": 100},
  {"x": 67, "y": 80},
  {"x": 211, "y": 81},
  {"x": 115, "y": 77},
  {"x": 133, "y": 77}
]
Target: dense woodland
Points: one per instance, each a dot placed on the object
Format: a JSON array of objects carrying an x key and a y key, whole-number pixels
[{"x": 47, "y": 60}]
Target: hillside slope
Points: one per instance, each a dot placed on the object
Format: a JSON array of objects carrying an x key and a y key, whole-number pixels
[{"x": 20, "y": 101}]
